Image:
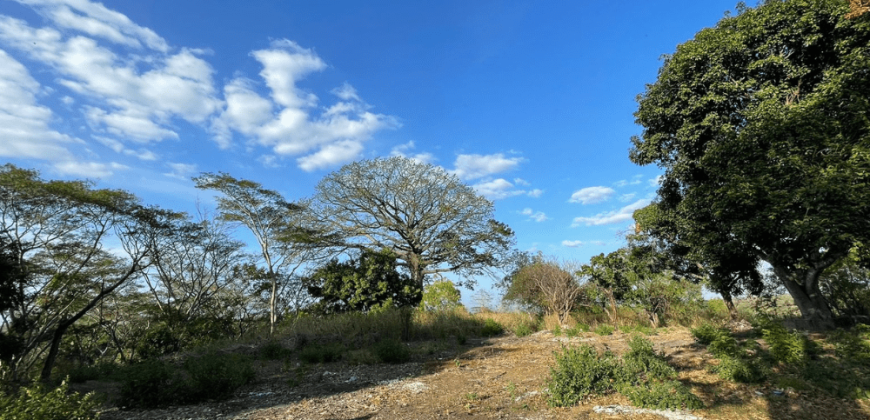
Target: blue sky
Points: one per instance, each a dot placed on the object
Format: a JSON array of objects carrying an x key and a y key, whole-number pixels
[{"x": 529, "y": 102}]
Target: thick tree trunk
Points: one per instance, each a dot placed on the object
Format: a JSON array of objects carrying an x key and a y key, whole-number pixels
[
  {"x": 803, "y": 286},
  {"x": 729, "y": 303}
]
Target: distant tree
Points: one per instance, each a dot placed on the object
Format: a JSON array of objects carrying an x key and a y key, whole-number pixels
[
  {"x": 364, "y": 284},
  {"x": 271, "y": 219},
  {"x": 431, "y": 221},
  {"x": 520, "y": 290},
  {"x": 441, "y": 295},
  {"x": 761, "y": 126},
  {"x": 612, "y": 277},
  {"x": 556, "y": 285}
]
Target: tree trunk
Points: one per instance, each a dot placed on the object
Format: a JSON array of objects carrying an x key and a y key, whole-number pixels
[
  {"x": 54, "y": 349},
  {"x": 729, "y": 303},
  {"x": 803, "y": 286}
]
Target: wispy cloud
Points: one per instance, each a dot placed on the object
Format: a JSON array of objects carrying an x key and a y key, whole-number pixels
[
  {"x": 469, "y": 167},
  {"x": 535, "y": 193},
  {"x": 497, "y": 189},
  {"x": 627, "y": 197},
  {"x": 537, "y": 216},
  {"x": 406, "y": 150},
  {"x": 183, "y": 171},
  {"x": 655, "y": 182},
  {"x": 592, "y": 195},
  {"x": 617, "y": 216},
  {"x": 572, "y": 244}
]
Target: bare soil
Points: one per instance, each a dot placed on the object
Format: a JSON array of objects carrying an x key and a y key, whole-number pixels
[{"x": 498, "y": 378}]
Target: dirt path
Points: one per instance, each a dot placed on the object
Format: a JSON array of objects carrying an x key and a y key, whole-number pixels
[{"x": 499, "y": 378}]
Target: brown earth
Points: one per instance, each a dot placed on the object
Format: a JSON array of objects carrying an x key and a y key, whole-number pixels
[{"x": 497, "y": 378}]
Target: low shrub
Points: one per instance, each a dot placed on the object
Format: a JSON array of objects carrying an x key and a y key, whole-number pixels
[
  {"x": 850, "y": 345},
  {"x": 724, "y": 346},
  {"x": 491, "y": 328},
  {"x": 707, "y": 333},
  {"x": 790, "y": 348},
  {"x": 557, "y": 330},
  {"x": 642, "y": 363},
  {"x": 748, "y": 371},
  {"x": 523, "y": 330},
  {"x": 273, "y": 350},
  {"x": 36, "y": 402},
  {"x": 392, "y": 351},
  {"x": 580, "y": 371},
  {"x": 88, "y": 373},
  {"x": 604, "y": 329},
  {"x": 216, "y": 375},
  {"x": 321, "y": 353},
  {"x": 152, "y": 383},
  {"x": 671, "y": 395}
]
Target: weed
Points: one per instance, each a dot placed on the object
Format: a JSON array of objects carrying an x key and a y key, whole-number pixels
[
  {"x": 580, "y": 371},
  {"x": 512, "y": 390},
  {"x": 322, "y": 353},
  {"x": 642, "y": 363},
  {"x": 273, "y": 350},
  {"x": 707, "y": 333},
  {"x": 217, "y": 375},
  {"x": 604, "y": 329},
  {"x": 36, "y": 402},
  {"x": 491, "y": 328},
  {"x": 523, "y": 330},
  {"x": 471, "y": 396},
  {"x": 790, "y": 348},
  {"x": 392, "y": 351},
  {"x": 662, "y": 395},
  {"x": 740, "y": 370},
  {"x": 152, "y": 383},
  {"x": 557, "y": 330}
]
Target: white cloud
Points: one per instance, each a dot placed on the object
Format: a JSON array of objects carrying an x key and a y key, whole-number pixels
[
  {"x": 572, "y": 244},
  {"x": 118, "y": 147},
  {"x": 468, "y": 167},
  {"x": 626, "y": 197},
  {"x": 134, "y": 96},
  {"x": 622, "y": 215},
  {"x": 88, "y": 169},
  {"x": 520, "y": 181},
  {"x": 497, "y": 189},
  {"x": 533, "y": 215},
  {"x": 289, "y": 123},
  {"x": 331, "y": 155},
  {"x": 655, "y": 182},
  {"x": 183, "y": 171},
  {"x": 535, "y": 193},
  {"x": 405, "y": 150},
  {"x": 591, "y": 195}
]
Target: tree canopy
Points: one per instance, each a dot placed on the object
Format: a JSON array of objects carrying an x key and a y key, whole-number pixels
[
  {"x": 431, "y": 221},
  {"x": 761, "y": 126}
]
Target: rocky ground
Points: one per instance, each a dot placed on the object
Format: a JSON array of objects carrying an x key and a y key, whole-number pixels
[{"x": 498, "y": 378}]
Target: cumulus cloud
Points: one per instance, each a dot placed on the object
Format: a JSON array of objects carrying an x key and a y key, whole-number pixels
[
  {"x": 497, "y": 189},
  {"x": 535, "y": 193},
  {"x": 538, "y": 216},
  {"x": 469, "y": 167},
  {"x": 572, "y": 244},
  {"x": 591, "y": 195},
  {"x": 88, "y": 169},
  {"x": 617, "y": 216},
  {"x": 406, "y": 151},
  {"x": 118, "y": 147},
  {"x": 289, "y": 123}
]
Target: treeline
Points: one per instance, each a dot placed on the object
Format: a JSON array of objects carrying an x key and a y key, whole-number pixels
[{"x": 91, "y": 275}]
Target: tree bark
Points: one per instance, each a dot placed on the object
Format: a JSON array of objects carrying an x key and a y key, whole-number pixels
[
  {"x": 729, "y": 303},
  {"x": 803, "y": 286}
]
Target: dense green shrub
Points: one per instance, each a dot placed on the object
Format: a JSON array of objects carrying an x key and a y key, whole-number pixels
[
  {"x": 273, "y": 350},
  {"x": 491, "y": 328},
  {"x": 724, "y": 346},
  {"x": 322, "y": 353},
  {"x": 152, "y": 383},
  {"x": 604, "y": 329},
  {"x": 642, "y": 363},
  {"x": 707, "y": 333},
  {"x": 580, "y": 371},
  {"x": 88, "y": 373},
  {"x": 662, "y": 395},
  {"x": 38, "y": 403},
  {"x": 849, "y": 345},
  {"x": 523, "y": 329},
  {"x": 740, "y": 369},
  {"x": 216, "y": 375},
  {"x": 392, "y": 351},
  {"x": 787, "y": 347}
]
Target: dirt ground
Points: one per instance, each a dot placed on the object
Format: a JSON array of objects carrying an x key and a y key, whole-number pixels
[{"x": 498, "y": 378}]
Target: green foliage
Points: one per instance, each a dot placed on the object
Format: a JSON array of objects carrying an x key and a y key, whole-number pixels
[
  {"x": 580, "y": 371},
  {"x": 604, "y": 329},
  {"x": 155, "y": 383},
  {"x": 707, "y": 333},
  {"x": 491, "y": 328},
  {"x": 741, "y": 370},
  {"x": 369, "y": 283},
  {"x": 392, "y": 351},
  {"x": 322, "y": 353},
  {"x": 850, "y": 345},
  {"x": 441, "y": 295},
  {"x": 666, "y": 395},
  {"x": 557, "y": 330},
  {"x": 641, "y": 363},
  {"x": 788, "y": 347},
  {"x": 523, "y": 329},
  {"x": 273, "y": 350},
  {"x": 88, "y": 373},
  {"x": 216, "y": 375},
  {"x": 35, "y": 402}
]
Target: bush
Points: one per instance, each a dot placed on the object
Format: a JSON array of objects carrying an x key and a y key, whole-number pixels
[
  {"x": 273, "y": 350},
  {"x": 748, "y": 371},
  {"x": 392, "y": 351},
  {"x": 322, "y": 353},
  {"x": 724, "y": 346},
  {"x": 37, "y": 403},
  {"x": 216, "y": 375},
  {"x": 604, "y": 329},
  {"x": 787, "y": 347},
  {"x": 707, "y": 333},
  {"x": 557, "y": 330},
  {"x": 580, "y": 371},
  {"x": 152, "y": 383},
  {"x": 523, "y": 330},
  {"x": 88, "y": 373},
  {"x": 642, "y": 363},
  {"x": 662, "y": 395},
  {"x": 491, "y": 328}
]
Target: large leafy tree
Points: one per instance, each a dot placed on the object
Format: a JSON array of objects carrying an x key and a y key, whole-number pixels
[
  {"x": 367, "y": 283},
  {"x": 761, "y": 124},
  {"x": 430, "y": 220}
]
